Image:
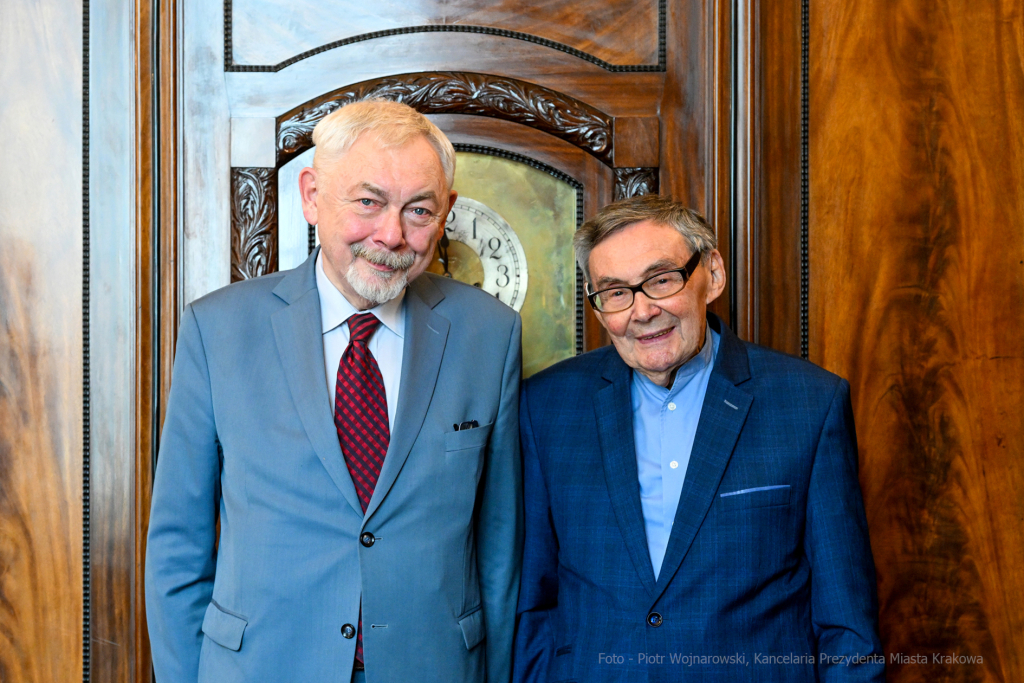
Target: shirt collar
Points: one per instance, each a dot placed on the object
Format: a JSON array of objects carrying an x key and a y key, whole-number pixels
[{"x": 335, "y": 309}]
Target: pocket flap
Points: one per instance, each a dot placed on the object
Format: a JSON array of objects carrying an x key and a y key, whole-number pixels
[
  {"x": 757, "y": 497},
  {"x": 467, "y": 438},
  {"x": 473, "y": 628},
  {"x": 224, "y": 628}
]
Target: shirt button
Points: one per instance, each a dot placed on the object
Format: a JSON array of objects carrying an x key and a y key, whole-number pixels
[
  {"x": 671, "y": 406},
  {"x": 673, "y": 464}
]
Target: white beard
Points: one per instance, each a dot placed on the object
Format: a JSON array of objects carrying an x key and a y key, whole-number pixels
[{"x": 379, "y": 287}]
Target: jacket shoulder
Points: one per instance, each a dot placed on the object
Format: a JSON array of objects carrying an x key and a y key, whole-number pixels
[
  {"x": 243, "y": 307},
  {"x": 242, "y": 293},
  {"x": 572, "y": 372},
  {"x": 768, "y": 366},
  {"x": 486, "y": 309}
]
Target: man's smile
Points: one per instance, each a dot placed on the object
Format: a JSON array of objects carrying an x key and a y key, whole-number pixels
[{"x": 653, "y": 336}]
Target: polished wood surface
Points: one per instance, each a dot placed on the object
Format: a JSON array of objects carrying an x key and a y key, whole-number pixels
[
  {"x": 619, "y": 32},
  {"x": 772, "y": 261},
  {"x": 636, "y": 142},
  {"x": 41, "y": 342},
  {"x": 917, "y": 296},
  {"x": 40, "y": 475},
  {"x": 694, "y": 112}
]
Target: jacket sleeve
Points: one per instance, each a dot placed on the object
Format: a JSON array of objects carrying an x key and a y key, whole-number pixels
[
  {"x": 181, "y": 554},
  {"x": 538, "y": 594},
  {"x": 499, "y": 524},
  {"x": 844, "y": 604}
]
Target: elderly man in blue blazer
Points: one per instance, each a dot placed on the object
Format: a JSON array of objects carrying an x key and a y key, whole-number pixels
[
  {"x": 353, "y": 426},
  {"x": 692, "y": 504}
]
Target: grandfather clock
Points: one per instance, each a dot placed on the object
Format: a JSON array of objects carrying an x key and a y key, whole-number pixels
[{"x": 555, "y": 109}]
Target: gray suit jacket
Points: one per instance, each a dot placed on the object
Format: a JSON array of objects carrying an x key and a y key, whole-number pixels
[{"x": 249, "y": 438}]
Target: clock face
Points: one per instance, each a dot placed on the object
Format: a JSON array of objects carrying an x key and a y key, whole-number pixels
[{"x": 483, "y": 250}]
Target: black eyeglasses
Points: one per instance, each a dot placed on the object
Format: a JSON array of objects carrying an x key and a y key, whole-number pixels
[{"x": 658, "y": 286}]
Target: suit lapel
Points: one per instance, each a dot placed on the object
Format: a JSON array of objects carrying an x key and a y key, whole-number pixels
[
  {"x": 615, "y": 432},
  {"x": 426, "y": 334},
  {"x": 297, "y": 332},
  {"x": 722, "y": 416}
]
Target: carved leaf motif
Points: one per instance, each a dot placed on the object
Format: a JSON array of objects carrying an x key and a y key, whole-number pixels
[
  {"x": 461, "y": 93},
  {"x": 633, "y": 182},
  {"x": 253, "y": 222}
]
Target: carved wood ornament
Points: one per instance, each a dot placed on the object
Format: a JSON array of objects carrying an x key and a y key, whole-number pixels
[
  {"x": 253, "y": 222},
  {"x": 446, "y": 92},
  {"x": 254, "y": 190},
  {"x": 633, "y": 182}
]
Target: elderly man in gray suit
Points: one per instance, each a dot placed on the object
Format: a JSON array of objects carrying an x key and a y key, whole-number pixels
[{"x": 353, "y": 425}]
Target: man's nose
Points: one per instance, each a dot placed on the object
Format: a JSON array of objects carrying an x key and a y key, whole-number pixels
[
  {"x": 389, "y": 232},
  {"x": 644, "y": 307}
]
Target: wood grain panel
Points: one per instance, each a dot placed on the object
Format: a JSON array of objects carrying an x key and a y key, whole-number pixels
[
  {"x": 619, "y": 32},
  {"x": 270, "y": 94},
  {"x": 41, "y": 341},
  {"x": 776, "y": 174},
  {"x": 40, "y": 477},
  {"x": 694, "y": 110},
  {"x": 917, "y": 296}
]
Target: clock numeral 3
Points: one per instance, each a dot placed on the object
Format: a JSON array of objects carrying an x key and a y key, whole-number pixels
[{"x": 503, "y": 269}]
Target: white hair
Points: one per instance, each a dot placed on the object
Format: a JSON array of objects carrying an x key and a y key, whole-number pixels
[{"x": 394, "y": 123}]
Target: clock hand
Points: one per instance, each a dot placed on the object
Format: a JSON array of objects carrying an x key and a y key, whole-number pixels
[{"x": 442, "y": 246}]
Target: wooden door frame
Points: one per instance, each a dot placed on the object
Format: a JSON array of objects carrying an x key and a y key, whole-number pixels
[
  {"x": 753, "y": 192},
  {"x": 158, "y": 272}
]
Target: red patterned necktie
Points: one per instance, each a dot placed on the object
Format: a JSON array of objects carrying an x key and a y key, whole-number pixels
[{"x": 361, "y": 417}]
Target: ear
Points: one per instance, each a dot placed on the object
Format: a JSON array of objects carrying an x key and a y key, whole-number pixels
[
  {"x": 452, "y": 196},
  {"x": 308, "y": 192},
  {"x": 716, "y": 269}
]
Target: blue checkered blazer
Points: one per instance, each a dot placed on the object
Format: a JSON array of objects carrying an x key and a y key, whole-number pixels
[{"x": 768, "y": 574}]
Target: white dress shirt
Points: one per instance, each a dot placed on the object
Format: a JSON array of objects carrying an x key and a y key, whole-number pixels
[{"x": 386, "y": 344}]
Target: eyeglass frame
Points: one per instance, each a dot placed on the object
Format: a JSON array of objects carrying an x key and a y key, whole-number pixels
[{"x": 686, "y": 271}]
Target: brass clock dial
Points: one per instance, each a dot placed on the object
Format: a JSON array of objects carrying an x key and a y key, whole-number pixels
[{"x": 480, "y": 248}]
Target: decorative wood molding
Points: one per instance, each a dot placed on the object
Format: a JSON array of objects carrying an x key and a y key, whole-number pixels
[
  {"x": 230, "y": 66},
  {"x": 253, "y": 222},
  {"x": 86, "y": 373},
  {"x": 445, "y": 92},
  {"x": 633, "y": 182},
  {"x": 805, "y": 183}
]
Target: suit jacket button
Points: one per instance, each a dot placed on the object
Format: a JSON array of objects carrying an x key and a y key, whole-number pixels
[
  {"x": 654, "y": 619},
  {"x": 349, "y": 631},
  {"x": 367, "y": 539}
]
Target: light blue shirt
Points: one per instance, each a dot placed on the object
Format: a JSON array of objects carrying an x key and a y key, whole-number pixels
[{"x": 664, "y": 424}]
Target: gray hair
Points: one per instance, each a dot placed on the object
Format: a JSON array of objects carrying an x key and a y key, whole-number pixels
[
  {"x": 626, "y": 212},
  {"x": 394, "y": 123}
]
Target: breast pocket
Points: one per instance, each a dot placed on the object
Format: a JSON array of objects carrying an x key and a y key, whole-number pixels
[
  {"x": 755, "y": 497},
  {"x": 466, "y": 439}
]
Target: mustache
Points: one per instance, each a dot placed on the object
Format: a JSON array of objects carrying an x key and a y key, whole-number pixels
[{"x": 383, "y": 257}]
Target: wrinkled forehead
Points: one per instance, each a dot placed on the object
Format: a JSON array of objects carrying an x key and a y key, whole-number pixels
[
  {"x": 384, "y": 162},
  {"x": 634, "y": 251},
  {"x": 382, "y": 139}
]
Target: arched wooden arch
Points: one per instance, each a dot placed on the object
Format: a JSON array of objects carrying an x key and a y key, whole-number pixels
[{"x": 254, "y": 190}]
